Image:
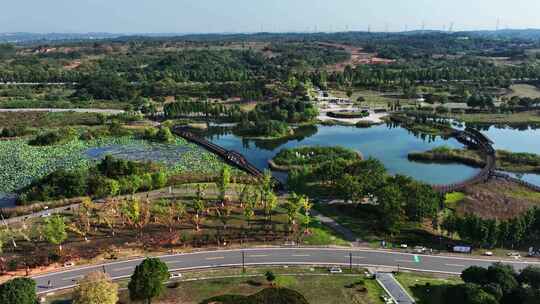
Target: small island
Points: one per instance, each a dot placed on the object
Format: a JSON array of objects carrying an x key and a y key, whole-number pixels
[
  {"x": 507, "y": 161},
  {"x": 289, "y": 159}
]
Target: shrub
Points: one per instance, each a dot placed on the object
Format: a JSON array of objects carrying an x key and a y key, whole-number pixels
[{"x": 54, "y": 137}]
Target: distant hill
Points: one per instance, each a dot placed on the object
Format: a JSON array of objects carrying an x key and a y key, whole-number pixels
[
  {"x": 525, "y": 34},
  {"x": 22, "y": 37},
  {"x": 37, "y": 38}
]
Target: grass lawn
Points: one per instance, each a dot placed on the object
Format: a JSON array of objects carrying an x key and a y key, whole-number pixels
[
  {"x": 524, "y": 193},
  {"x": 426, "y": 289},
  {"x": 363, "y": 221},
  {"x": 524, "y": 90},
  {"x": 372, "y": 98},
  {"x": 315, "y": 284},
  {"x": 322, "y": 235},
  {"x": 515, "y": 118},
  {"x": 451, "y": 199}
]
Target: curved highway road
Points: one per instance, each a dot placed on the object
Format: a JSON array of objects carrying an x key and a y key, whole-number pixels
[{"x": 275, "y": 256}]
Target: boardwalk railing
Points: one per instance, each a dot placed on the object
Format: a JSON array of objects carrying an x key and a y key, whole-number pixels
[
  {"x": 232, "y": 157},
  {"x": 474, "y": 138}
]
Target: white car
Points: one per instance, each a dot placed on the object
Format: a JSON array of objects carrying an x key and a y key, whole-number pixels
[
  {"x": 488, "y": 253},
  {"x": 335, "y": 269},
  {"x": 404, "y": 246},
  {"x": 419, "y": 249},
  {"x": 176, "y": 275},
  {"x": 514, "y": 255},
  {"x": 69, "y": 264}
]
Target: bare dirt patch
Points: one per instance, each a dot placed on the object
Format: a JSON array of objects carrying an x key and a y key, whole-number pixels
[
  {"x": 498, "y": 199},
  {"x": 358, "y": 57}
]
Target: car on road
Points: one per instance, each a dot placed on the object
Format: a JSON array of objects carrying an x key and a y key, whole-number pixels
[
  {"x": 514, "y": 255},
  {"x": 45, "y": 215},
  {"x": 69, "y": 264},
  {"x": 488, "y": 253},
  {"x": 404, "y": 246},
  {"x": 386, "y": 299},
  {"x": 369, "y": 275},
  {"x": 419, "y": 249},
  {"x": 335, "y": 269},
  {"x": 176, "y": 275}
]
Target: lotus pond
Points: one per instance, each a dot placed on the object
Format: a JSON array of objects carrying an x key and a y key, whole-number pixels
[{"x": 21, "y": 163}]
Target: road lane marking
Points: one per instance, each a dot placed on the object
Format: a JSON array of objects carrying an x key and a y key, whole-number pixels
[
  {"x": 123, "y": 268},
  {"x": 257, "y": 255},
  {"x": 300, "y": 255},
  {"x": 215, "y": 258},
  {"x": 404, "y": 261},
  {"x": 72, "y": 278},
  {"x": 454, "y": 265},
  {"x": 355, "y": 257}
]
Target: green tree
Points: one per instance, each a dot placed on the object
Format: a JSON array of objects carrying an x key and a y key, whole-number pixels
[
  {"x": 270, "y": 277},
  {"x": 164, "y": 213},
  {"x": 224, "y": 182},
  {"x": 200, "y": 207},
  {"x": 148, "y": 279},
  {"x": 96, "y": 288},
  {"x": 350, "y": 188},
  {"x": 249, "y": 208},
  {"x": 55, "y": 230},
  {"x": 421, "y": 201},
  {"x": 503, "y": 275},
  {"x": 390, "y": 199},
  {"x": 18, "y": 291},
  {"x": 467, "y": 294},
  {"x": 475, "y": 274},
  {"x": 292, "y": 207},
  {"x": 159, "y": 180},
  {"x": 530, "y": 276}
]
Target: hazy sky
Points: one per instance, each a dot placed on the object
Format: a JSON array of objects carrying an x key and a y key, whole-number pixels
[{"x": 180, "y": 16}]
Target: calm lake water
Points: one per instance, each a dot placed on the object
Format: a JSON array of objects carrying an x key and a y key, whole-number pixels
[
  {"x": 389, "y": 145},
  {"x": 522, "y": 140}
]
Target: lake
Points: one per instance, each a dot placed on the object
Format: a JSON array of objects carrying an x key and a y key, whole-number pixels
[{"x": 388, "y": 144}]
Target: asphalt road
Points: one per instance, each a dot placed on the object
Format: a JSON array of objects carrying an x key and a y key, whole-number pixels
[{"x": 275, "y": 256}]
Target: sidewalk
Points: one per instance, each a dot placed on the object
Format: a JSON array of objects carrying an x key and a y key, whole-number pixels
[
  {"x": 393, "y": 288},
  {"x": 348, "y": 235}
]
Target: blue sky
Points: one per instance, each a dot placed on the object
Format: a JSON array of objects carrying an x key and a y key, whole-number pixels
[{"x": 181, "y": 16}]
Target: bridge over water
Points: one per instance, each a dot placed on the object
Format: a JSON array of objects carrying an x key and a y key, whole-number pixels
[
  {"x": 474, "y": 139},
  {"x": 232, "y": 157}
]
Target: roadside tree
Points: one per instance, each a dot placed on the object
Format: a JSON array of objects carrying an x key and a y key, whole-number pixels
[
  {"x": 96, "y": 288},
  {"x": 148, "y": 279}
]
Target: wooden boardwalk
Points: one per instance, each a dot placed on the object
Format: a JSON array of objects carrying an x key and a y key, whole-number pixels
[
  {"x": 232, "y": 157},
  {"x": 477, "y": 140}
]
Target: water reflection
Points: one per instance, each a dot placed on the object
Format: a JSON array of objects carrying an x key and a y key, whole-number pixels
[{"x": 388, "y": 143}]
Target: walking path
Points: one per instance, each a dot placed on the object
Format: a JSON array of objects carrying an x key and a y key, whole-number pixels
[
  {"x": 330, "y": 222},
  {"x": 393, "y": 288}
]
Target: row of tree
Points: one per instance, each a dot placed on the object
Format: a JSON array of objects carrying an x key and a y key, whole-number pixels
[
  {"x": 497, "y": 284},
  {"x": 490, "y": 233}
]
